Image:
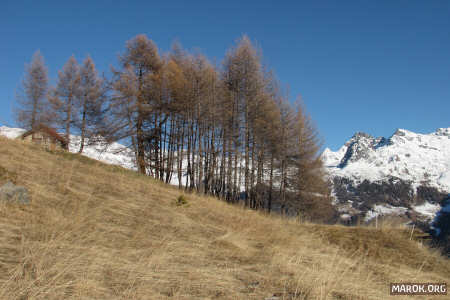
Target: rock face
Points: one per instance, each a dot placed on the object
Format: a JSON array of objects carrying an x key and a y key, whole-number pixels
[
  {"x": 407, "y": 174},
  {"x": 11, "y": 193},
  {"x": 360, "y": 146}
]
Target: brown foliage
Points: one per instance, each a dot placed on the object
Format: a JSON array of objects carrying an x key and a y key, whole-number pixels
[{"x": 227, "y": 131}]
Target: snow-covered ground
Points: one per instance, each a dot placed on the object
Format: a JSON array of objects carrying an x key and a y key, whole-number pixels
[
  {"x": 11, "y": 133},
  {"x": 384, "y": 210},
  {"x": 427, "y": 209},
  {"x": 115, "y": 153}
]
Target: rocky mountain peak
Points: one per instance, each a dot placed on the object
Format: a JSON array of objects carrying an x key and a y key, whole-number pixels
[
  {"x": 407, "y": 155},
  {"x": 400, "y": 132},
  {"x": 408, "y": 172},
  {"x": 362, "y": 134},
  {"x": 358, "y": 147}
]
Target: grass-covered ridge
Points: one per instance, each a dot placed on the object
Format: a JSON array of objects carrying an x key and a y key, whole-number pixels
[{"x": 95, "y": 231}]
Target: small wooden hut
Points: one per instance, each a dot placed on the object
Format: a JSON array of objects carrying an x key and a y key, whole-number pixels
[{"x": 46, "y": 136}]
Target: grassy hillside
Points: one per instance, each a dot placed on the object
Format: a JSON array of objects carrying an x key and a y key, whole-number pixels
[{"x": 95, "y": 231}]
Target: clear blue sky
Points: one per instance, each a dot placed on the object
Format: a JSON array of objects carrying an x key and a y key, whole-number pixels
[{"x": 370, "y": 66}]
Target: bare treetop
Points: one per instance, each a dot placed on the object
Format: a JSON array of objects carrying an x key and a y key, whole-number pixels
[{"x": 31, "y": 95}]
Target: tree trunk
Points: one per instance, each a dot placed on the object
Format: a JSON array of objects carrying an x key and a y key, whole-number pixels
[{"x": 83, "y": 128}]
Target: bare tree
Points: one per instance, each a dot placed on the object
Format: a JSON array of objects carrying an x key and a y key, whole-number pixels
[
  {"x": 244, "y": 81},
  {"x": 229, "y": 131},
  {"x": 31, "y": 96},
  {"x": 64, "y": 96},
  {"x": 90, "y": 105},
  {"x": 134, "y": 92}
]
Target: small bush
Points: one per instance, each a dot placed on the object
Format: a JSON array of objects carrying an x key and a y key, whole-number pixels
[{"x": 181, "y": 200}]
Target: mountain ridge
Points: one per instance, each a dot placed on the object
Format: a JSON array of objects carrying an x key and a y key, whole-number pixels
[
  {"x": 406, "y": 175},
  {"x": 406, "y": 155}
]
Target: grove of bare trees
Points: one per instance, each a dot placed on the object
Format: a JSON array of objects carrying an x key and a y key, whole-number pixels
[{"x": 228, "y": 131}]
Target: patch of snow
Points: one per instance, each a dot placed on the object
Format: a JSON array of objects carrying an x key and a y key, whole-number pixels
[
  {"x": 331, "y": 157},
  {"x": 345, "y": 217},
  {"x": 384, "y": 210},
  {"x": 114, "y": 153},
  {"x": 11, "y": 133},
  {"x": 427, "y": 209},
  {"x": 370, "y": 215}
]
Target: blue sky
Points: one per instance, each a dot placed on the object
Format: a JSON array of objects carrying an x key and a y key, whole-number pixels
[{"x": 370, "y": 66}]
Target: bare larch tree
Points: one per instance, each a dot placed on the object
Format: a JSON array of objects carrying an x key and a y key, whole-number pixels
[{"x": 31, "y": 97}]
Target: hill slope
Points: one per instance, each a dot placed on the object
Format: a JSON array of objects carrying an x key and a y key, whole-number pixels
[
  {"x": 114, "y": 153},
  {"x": 96, "y": 231}
]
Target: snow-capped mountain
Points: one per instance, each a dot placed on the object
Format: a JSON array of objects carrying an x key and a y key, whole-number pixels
[{"x": 406, "y": 174}]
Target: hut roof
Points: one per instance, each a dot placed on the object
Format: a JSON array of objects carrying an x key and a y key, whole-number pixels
[{"x": 50, "y": 131}]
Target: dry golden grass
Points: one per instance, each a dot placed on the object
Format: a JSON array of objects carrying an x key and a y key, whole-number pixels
[{"x": 95, "y": 231}]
